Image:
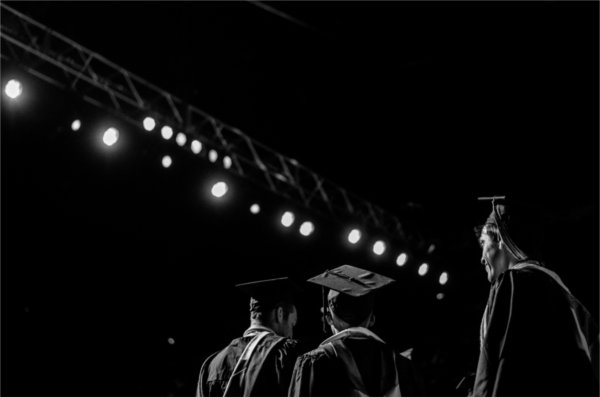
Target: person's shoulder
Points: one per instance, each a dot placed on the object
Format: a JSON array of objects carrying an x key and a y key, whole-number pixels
[
  {"x": 318, "y": 354},
  {"x": 526, "y": 274}
]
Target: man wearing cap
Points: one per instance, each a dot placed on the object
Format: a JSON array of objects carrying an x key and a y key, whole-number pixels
[
  {"x": 536, "y": 337},
  {"x": 354, "y": 361},
  {"x": 259, "y": 363}
]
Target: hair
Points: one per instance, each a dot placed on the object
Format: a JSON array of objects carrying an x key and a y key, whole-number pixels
[
  {"x": 351, "y": 310},
  {"x": 262, "y": 315},
  {"x": 491, "y": 229}
]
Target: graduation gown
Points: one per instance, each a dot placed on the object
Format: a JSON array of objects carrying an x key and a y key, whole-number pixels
[
  {"x": 537, "y": 339},
  {"x": 377, "y": 370},
  {"x": 264, "y": 372}
]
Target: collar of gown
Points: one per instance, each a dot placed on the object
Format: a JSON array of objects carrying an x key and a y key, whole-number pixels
[{"x": 353, "y": 331}]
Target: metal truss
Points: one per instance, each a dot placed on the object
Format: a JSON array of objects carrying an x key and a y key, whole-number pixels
[{"x": 65, "y": 63}]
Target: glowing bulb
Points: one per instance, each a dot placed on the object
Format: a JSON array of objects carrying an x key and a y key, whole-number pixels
[
  {"x": 76, "y": 125},
  {"x": 227, "y": 162},
  {"x": 423, "y": 269},
  {"x": 171, "y": 341},
  {"x": 219, "y": 189},
  {"x": 149, "y": 123},
  {"x": 255, "y": 208},
  {"x": 166, "y": 132},
  {"x": 443, "y": 278},
  {"x": 354, "y": 236},
  {"x": 287, "y": 219},
  {"x": 307, "y": 228},
  {"x": 181, "y": 139},
  {"x": 196, "y": 146},
  {"x": 213, "y": 156},
  {"x": 111, "y": 136},
  {"x": 379, "y": 247},
  {"x": 401, "y": 260},
  {"x": 166, "y": 161},
  {"x": 440, "y": 296},
  {"x": 13, "y": 89}
]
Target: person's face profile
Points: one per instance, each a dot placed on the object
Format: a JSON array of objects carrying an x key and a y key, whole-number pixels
[{"x": 490, "y": 255}]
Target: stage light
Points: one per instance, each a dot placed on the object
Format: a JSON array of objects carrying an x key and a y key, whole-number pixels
[
  {"x": 423, "y": 269},
  {"x": 287, "y": 219},
  {"x": 196, "y": 146},
  {"x": 76, "y": 125},
  {"x": 307, "y": 228},
  {"x": 166, "y": 132},
  {"x": 111, "y": 136},
  {"x": 149, "y": 123},
  {"x": 181, "y": 139},
  {"x": 443, "y": 278},
  {"x": 166, "y": 161},
  {"x": 227, "y": 162},
  {"x": 431, "y": 249},
  {"x": 401, "y": 260},
  {"x": 440, "y": 296},
  {"x": 354, "y": 236},
  {"x": 255, "y": 208},
  {"x": 213, "y": 156},
  {"x": 13, "y": 88},
  {"x": 171, "y": 341},
  {"x": 219, "y": 189},
  {"x": 379, "y": 247}
]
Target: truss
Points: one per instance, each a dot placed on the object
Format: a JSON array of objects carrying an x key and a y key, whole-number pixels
[{"x": 63, "y": 62}]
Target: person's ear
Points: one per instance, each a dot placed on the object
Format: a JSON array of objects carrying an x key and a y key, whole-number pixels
[{"x": 279, "y": 314}]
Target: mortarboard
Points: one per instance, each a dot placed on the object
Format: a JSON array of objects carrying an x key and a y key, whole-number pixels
[
  {"x": 351, "y": 287},
  {"x": 265, "y": 294}
]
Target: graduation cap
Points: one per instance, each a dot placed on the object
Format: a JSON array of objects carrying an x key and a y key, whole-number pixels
[
  {"x": 351, "y": 292},
  {"x": 266, "y": 294}
]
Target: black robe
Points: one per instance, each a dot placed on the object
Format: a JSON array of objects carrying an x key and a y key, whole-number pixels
[
  {"x": 322, "y": 372},
  {"x": 267, "y": 373},
  {"x": 531, "y": 343}
]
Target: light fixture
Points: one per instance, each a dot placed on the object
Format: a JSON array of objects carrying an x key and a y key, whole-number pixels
[
  {"x": 354, "y": 236},
  {"x": 111, "y": 136},
  {"x": 13, "y": 88}
]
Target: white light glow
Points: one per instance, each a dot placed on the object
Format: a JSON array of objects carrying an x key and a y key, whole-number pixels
[
  {"x": 149, "y": 123},
  {"x": 443, "y": 278},
  {"x": 196, "y": 146},
  {"x": 401, "y": 260},
  {"x": 213, "y": 156},
  {"x": 227, "y": 162},
  {"x": 431, "y": 249},
  {"x": 181, "y": 139},
  {"x": 167, "y": 161},
  {"x": 379, "y": 247},
  {"x": 354, "y": 236},
  {"x": 440, "y": 296},
  {"x": 219, "y": 189},
  {"x": 307, "y": 228},
  {"x": 13, "y": 89},
  {"x": 111, "y": 136},
  {"x": 76, "y": 125},
  {"x": 423, "y": 269},
  {"x": 255, "y": 208},
  {"x": 171, "y": 341},
  {"x": 287, "y": 219},
  {"x": 166, "y": 132}
]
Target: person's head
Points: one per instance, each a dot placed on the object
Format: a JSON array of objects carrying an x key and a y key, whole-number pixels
[
  {"x": 508, "y": 237},
  {"x": 350, "y": 301},
  {"x": 494, "y": 254},
  {"x": 281, "y": 318},
  {"x": 345, "y": 311},
  {"x": 272, "y": 304}
]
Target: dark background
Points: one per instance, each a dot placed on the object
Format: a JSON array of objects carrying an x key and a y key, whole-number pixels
[{"x": 417, "y": 107}]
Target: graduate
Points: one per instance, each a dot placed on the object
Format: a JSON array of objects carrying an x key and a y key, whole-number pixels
[
  {"x": 260, "y": 362},
  {"x": 354, "y": 361},
  {"x": 537, "y": 339}
]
